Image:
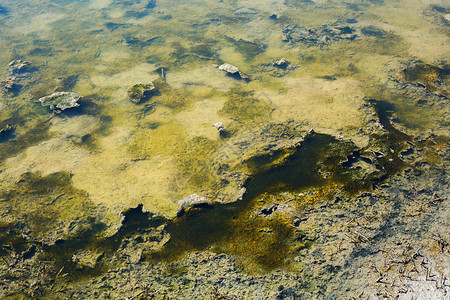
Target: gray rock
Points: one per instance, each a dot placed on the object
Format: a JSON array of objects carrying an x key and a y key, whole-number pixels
[
  {"x": 447, "y": 18},
  {"x": 9, "y": 83},
  {"x": 191, "y": 201},
  {"x": 245, "y": 11},
  {"x": 61, "y": 100},
  {"x": 318, "y": 35},
  {"x": 220, "y": 128},
  {"x": 233, "y": 71},
  {"x": 282, "y": 63},
  {"x": 18, "y": 65}
]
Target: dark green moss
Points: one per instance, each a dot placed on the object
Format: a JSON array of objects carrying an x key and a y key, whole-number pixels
[{"x": 141, "y": 92}]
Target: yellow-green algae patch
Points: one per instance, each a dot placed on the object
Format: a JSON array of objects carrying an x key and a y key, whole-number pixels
[
  {"x": 244, "y": 107},
  {"x": 46, "y": 204},
  {"x": 192, "y": 155}
]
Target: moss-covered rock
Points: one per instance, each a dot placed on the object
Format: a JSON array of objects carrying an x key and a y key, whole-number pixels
[{"x": 141, "y": 92}]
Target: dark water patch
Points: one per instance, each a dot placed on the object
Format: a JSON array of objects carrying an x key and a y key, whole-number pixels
[
  {"x": 351, "y": 21},
  {"x": 374, "y": 31},
  {"x": 139, "y": 42},
  {"x": 391, "y": 144},
  {"x": 134, "y": 221},
  {"x": 329, "y": 77},
  {"x": 92, "y": 105},
  {"x": 41, "y": 51},
  {"x": 151, "y": 4},
  {"x": 247, "y": 48},
  {"x": 137, "y": 14},
  {"x": 67, "y": 83},
  {"x": 440, "y": 9},
  {"x": 114, "y": 26},
  {"x": 6, "y": 132},
  {"x": 33, "y": 136},
  {"x": 88, "y": 141},
  {"x": 384, "y": 111},
  {"x": 11, "y": 239},
  {"x": 11, "y": 87},
  {"x": 4, "y": 11},
  {"x": 203, "y": 49}
]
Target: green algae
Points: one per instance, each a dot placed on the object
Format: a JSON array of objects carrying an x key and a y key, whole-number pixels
[
  {"x": 45, "y": 203},
  {"x": 193, "y": 155},
  {"x": 172, "y": 98},
  {"x": 242, "y": 106}
]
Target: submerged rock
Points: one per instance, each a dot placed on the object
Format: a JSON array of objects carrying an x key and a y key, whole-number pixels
[
  {"x": 141, "y": 92},
  {"x": 18, "y": 65},
  {"x": 447, "y": 18},
  {"x": 233, "y": 71},
  {"x": 9, "y": 83},
  {"x": 18, "y": 74},
  {"x": 282, "y": 63},
  {"x": 318, "y": 35},
  {"x": 220, "y": 128},
  {"x": 61, "y": 100},
  {"x": 278, "y": 68}
]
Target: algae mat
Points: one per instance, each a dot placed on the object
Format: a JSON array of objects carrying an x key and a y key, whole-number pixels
[{"x": 333, "y": 101}]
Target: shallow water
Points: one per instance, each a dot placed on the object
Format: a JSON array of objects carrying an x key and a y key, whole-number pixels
[{"x": 354, "y": 68}]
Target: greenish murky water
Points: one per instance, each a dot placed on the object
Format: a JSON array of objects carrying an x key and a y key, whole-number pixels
[{"x": 331, "y": 99}]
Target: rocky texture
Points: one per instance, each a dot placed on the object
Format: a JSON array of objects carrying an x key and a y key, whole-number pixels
[
  {"x": 220, "y": 128},
  {"x": 18, "y": 66},
  {"x": 233, "y": 71},
  {"x": 391, "y": 235},
  {"x": 19, "y": 73},
  {"x": 141, "y": 92},
  {"x": 278, "y": 68},
  {"x": 192, "y": 201},
  {"x": 318, "y": 35},
  {"x": 447, "y": 18},
  {"x": 61, "y": 100}
]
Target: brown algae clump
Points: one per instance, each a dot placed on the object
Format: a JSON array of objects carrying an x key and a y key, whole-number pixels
[{"x": 432, "y": 77}]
